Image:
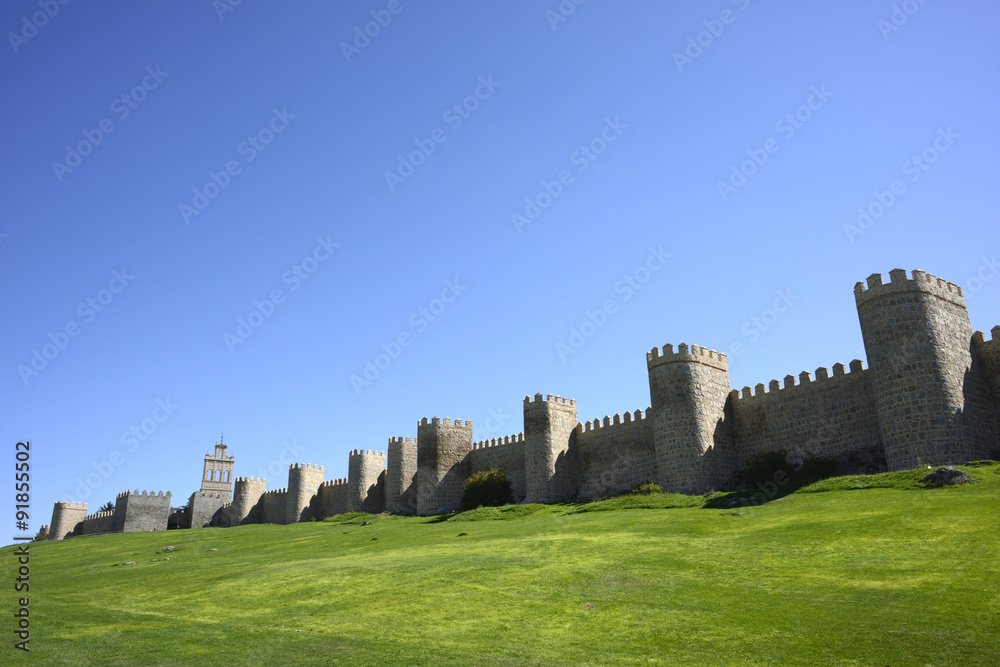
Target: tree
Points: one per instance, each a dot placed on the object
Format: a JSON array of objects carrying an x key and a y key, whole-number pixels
[
  {"x": 107, "y": 507},
  {"x": 487, "y": 488}
]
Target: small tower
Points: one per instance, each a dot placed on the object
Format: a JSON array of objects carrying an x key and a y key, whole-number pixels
[
  {"x": 246, "y": 494},
  {"x": 366, "y": 481},
  {"x": 688, "y": 390},
  {"x": 442, "y": 464},
  {"x": 548, "y": 426},
  {"x": 304, "y": 481},
  {"x": 931, "y": 399},
  {"x": 65, "y": 519},
  {"x": 218, "y": 472},
  {"x": 401, "y": 476}
]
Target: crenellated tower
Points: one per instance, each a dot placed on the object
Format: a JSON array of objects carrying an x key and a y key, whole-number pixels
[
  {"x": 401, "y": 476},
  {"x": 366, "y": 481},
  {"x": 688, "y": 390},
  {"x": 246, "y": 495},
  {"x": 549, "y": 425},
  {"x": 137, "y": 512},
  {"x": 442, "y": 464},
  {"x": 932, "y": 402},
  {"x": 304, "y": 481},
  {"x": 65, "y": 518}
]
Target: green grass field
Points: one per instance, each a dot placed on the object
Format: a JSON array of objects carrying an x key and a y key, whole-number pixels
[{"x": 850, "y": 571}]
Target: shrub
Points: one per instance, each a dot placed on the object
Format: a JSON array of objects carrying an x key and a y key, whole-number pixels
[
  {"x": 646, "y": 489},
  {"x": 762, "y": 467},
  {"x": 487, "y": 488}
]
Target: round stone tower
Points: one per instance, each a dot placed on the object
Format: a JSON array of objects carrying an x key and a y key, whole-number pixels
[
  {"x": 548, "y": 427},
  {"x": 688, "y": 390},
  {"x": 65, "y": 517},
  {"x": 304, "y": 480},
  {"x": 401, "y": 476},
  {"x": 246, "y": 494},
  {"x": 366, "y": 481},
  {"x": 932, "y": 404}
]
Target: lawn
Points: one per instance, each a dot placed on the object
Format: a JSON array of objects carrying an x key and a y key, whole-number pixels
[{"x": 852, "y": 571}]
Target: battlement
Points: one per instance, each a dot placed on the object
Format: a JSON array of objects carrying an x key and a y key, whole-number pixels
[
  {"x": 898, "y": 283},
  {"x": 99, "y": 515},
  {"x": 335, "y": 482},
  {"x": 251, "y": 480},
  {"x": 368, "y": 452},
  {"x": 209, "y": 494},
  {"x": 400, "y": 441},
  {"x": 561, "y": 400},
  {"x": 980, "y": 337},
  {"x": 71, "y": 506},
  {"x": 497, "y": 442},
  {"x": 275, "y": 492},
  {"x": 617, "y": 420},
  {"x": 693, "y": 354},
  {"x": 305, "y": 466},
  {"x": 443, "y": 420},
  {"x": 804, "y": 380},
  {"x": 144, "y": 494}
]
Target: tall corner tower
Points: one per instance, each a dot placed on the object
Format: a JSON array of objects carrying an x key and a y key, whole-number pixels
[
  {"x": 549, "y": 425},
  {"x": 931, "y": 399},
  {"x": 688, "y": 391}
]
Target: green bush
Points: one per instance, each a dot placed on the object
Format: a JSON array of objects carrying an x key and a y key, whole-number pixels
[
  {"x": 487, "y": 488},
  {"x": 646, "y": 489}
]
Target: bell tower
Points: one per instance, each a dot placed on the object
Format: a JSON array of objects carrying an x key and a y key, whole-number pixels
[{"x": 218, "y": 472}]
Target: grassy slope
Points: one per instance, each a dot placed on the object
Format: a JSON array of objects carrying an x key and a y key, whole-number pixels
[{"x": 874, "y": 576}]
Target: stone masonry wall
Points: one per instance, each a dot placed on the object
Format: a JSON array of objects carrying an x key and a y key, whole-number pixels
[
  {"x": 333, "y": 498},
  {"x": 272, "y": 506},
  {"x": 506, "y": 454},
  {"x": 96, "y": 524},
  {"x": 828, "y": 416},
  {"x": 614, "y": 456}
]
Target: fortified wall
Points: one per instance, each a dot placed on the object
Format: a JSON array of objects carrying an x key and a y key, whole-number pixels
[
  {"x": 133, "y": 512},
  {"x": 930, "y": 394}
]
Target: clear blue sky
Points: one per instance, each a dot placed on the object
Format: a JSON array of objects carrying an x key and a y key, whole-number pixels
[{"x": 611, "y": 121}]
